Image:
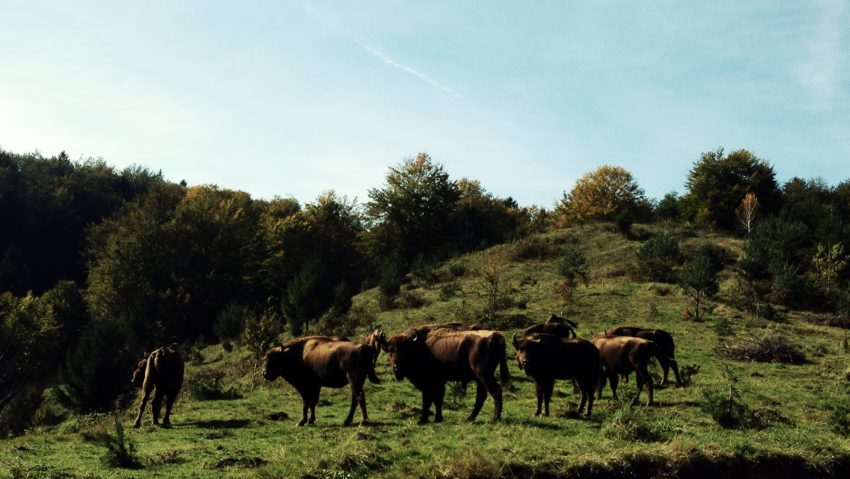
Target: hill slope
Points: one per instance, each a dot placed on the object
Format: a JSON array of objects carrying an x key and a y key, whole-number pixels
[{"x": 786, "y": 408}]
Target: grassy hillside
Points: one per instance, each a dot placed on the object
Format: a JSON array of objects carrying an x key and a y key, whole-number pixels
[{"x": 787, "y": 430}]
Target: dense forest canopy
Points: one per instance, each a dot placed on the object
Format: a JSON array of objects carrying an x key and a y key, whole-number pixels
[{"x": 119, "y": 262}]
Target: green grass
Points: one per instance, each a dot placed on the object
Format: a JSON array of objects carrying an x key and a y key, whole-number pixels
[{"x": 256, "y": 436}]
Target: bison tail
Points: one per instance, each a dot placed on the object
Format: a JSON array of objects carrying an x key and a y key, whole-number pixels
[
  {"x": 504, "y": 372},
  {"x": 370, "y": 371}
]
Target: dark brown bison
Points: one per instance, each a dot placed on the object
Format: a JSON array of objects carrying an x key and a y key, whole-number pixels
[
  {"x": 431, "y": 358},
  {"x": 311, "y": 362},
  {"x": 545, "y": 358},
  {"x": 161, "y": 373},
  {"x": 555, "y": 325},
  {"x": 665, "y": 345},
  {"x": 622, "y": 355}
]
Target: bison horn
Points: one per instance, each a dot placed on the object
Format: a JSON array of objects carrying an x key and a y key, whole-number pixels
[
  {"x": 415, "y": 335},
  {"x": 515, "y": 341}
]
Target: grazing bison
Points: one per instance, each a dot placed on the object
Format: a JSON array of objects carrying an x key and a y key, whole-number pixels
[
  {"x": 431, "y": 358},
  {"x": 311, "y": 362},
  {"x": 622, "y": 355},
  {"x": 665, "y": 345},
  {"x": 555, "y": 325},
  {"x": 545, "y": 358},
  {"x": 162, "y": 373}
]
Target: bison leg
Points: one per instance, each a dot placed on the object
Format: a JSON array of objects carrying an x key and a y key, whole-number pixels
[
  {"x": 480, "y": 397},
  {"x": 496, "y": 391},
  {"x": 538, "y": 387},
  {"x": 439, "y": 396},
  {"x": 313, "y": 402},
  {"x": 613, "y": 379},
  {"x": 169, "y": 403},
  {"x": 156, "y": 405},
  {"x": 145, "y": 395},
  {"x": 357, "y": 396},
  {"x": 643, "y": 377},
  {"x": 548, "y": 387},
  {"x": 426, "y": 406}
]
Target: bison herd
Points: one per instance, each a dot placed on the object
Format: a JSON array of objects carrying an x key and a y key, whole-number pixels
[{"x": 431, "y": 355}]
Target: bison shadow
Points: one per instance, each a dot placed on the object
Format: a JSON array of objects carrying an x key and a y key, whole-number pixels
[{"x": 220, "y": 423}]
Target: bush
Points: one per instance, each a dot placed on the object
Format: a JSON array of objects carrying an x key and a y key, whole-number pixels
[
  {"x": 657, "y": 257},
  {"x": 448, "y": 290},
  {"x": 727, "y": 409},
  {"x": 531, "y": 248},
  {"x": 623, "y": 222},
  {"x": 634, "y": 424},
  {"x": 120, "y": 451},
  {"x": 97, "y": 371},
  {"x": 230, "y": 320},
  {"x": 205, "y": 384},
  {"x": 839, "y": 419},
  {"x": 457, "y": 269},
  {"x": 770, "y": 347}
]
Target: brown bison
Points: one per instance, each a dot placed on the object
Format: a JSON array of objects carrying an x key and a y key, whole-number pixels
[
  {"x": 377, "y": 341},
  {"x": 545, "y": 358},
  {"x": 311, "y": 362},
  {"x": 429, "y": 359},
  {"x": 665, "y": 345},
  {"x": 162, "y": 373},
  {"x": 622, "y": 355},
  {"x": 555, "y": 325}
]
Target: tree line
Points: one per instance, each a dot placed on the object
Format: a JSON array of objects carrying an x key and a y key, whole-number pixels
[{"x": 98, "y": 265}]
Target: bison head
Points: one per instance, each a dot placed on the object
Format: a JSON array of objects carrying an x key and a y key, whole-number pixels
[
  {"x": 139, "y": 373},
  {"x": 525, "y": 350},
  {"x": 400, "y": 350},
  {"x": 273, "y": 363}
]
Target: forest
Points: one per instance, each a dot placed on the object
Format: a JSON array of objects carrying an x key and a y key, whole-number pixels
[{"x": 99, "y": 265}]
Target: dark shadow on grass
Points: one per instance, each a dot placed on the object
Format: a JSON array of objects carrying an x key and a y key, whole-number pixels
[
  {"x": 551, "y": 424},
  {"x": 220, "y": 423}
]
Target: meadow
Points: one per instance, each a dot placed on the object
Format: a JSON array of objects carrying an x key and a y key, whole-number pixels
[{"x": 787, "y": 418}]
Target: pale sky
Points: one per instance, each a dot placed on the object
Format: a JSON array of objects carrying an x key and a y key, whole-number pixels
[{"x": 294, "y": 98}]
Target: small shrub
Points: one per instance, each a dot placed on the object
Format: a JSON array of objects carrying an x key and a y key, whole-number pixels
[
  {"x": 449, "y": 290},
  {"x": 657, "y": 257},
  {"x": 839, "y": 419},
  {"x": 687, "y": 373},
  {"x": 120, "y": 451},
  {"x": 623, "y": 223},
  {"x": 770, "y": 347},
  {"x": 423, "y": 270},
  {"x": 723, "y": 328},
  {"x": 531, "y": 248},
  {"x": 457, "y": 269},
  {"x": 409, "y": 299},
  {"x": 522, "y": 302},
  {"x": 633, "y": 424},
  {"x": 206, "y": 384},
  {"x": 230, "y": 320},
  {"x": 727, "y": 409}
]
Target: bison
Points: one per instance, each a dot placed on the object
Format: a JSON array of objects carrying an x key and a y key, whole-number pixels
[
  {"x": 545, "y": 358},
  {"x": 377, "y": 341},
  {"x": 429, "y": 359},
  {"x": 555, "y": 325},
  {"x": 311, "y": 362},
  {"x": 665, "y": 345},
  {"x": 160, "y": 372},
  {"x": 622, "y": 355}
]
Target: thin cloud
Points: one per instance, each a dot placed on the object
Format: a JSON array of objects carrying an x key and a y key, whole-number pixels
[
  {"x": 819, "y": 73},
  {"x": 395, "y": 64},
  {"x": 333, "y": 24}
]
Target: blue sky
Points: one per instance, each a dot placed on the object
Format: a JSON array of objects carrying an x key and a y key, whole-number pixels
[{"x": 295, "y": 98}]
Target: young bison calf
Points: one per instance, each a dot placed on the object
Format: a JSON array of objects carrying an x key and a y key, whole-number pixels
[
  {"x": 314, "y": 361},
  {"x": 162, "y": 373},
  {"x": 545, "y": 358},
  {"x": 622, "y": 355}
]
